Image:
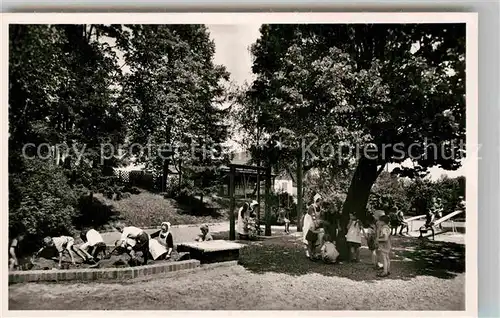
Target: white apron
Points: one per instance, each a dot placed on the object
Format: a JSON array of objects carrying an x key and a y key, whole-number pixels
[
  {"x": 240, "y": 228},
  {"x": 308, "y": 224},
  {"x": 156, "y": 249}
]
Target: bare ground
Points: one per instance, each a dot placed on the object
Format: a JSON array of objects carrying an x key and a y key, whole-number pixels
[{"x": 235, "y": 288}]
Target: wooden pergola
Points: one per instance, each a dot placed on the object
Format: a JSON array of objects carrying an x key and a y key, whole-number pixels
[{"x": 233, "y": 168}]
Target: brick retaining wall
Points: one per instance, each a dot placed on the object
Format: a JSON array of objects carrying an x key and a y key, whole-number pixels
[{"x": 99, "y": 274}]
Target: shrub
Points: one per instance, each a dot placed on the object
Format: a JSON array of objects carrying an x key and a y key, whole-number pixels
[
  {"x": 44, "y": 201},
  {"x": 185, "y": 193},
  {"x": 119, "y": 196},
  {"x": 109, "y": 193}
]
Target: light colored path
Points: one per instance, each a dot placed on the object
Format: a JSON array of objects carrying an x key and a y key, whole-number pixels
[
  {"x": 185, "y": 233},
  {"x": 235, "y": 288}
]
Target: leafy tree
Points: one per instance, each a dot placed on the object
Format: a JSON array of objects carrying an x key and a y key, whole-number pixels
[
  {"x": 75, "y": 107},
  {"x": 389, "y": 192},
  {"x": 40, "y": 202},
  {"x": 369, "y": 86},
  {"x": 62, "y": 92},
  {"x": 176, "y": 90}
]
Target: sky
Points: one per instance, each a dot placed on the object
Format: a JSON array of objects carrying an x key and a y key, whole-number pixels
[{"x": 232, "y": 43}]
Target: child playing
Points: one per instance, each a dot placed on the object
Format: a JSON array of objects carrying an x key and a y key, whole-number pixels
[
  {"x": 354, "y": 237},
  {"x": 205, "y": 234},
  {"x": 287, "y": 221},
  {"x": 311, "y": 228},
  {"x": 93, "y": 244},
  {"x": 141, "y": 240},
  {"x": 371, "y": 240},
  {"x": 384, "y": 244},
  {"x": 14, "y": 252},
  {"x": 329, "y": 252}
]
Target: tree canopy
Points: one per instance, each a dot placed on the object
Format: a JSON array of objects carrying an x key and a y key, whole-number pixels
[
  {"x": 391, "y": 92},
  {"x": 79, "y": 93}
]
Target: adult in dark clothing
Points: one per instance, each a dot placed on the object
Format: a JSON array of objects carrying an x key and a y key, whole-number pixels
[
  {"x": 14, "y": 251},
  {"x": 164, "y": 236}
]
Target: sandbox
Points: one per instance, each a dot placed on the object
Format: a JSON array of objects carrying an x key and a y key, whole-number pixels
[
  {"x": 188, "y": 256},
  {"x": 212, "y": 251}
]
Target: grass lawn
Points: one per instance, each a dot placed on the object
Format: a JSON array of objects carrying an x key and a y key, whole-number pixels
[
  {"x": 149, "y": 210},
  {"x": 274, "y": 274}
]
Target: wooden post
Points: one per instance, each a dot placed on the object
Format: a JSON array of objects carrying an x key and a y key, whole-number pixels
[
  {"x": 299, "y": 191},
  {"x": 268, "y": 198},
  {"x": 232, "y": 234},
  {"x": 258, "y": 197}
]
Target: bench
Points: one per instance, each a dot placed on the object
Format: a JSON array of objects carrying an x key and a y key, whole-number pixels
[{"x": 211, "y": 251}]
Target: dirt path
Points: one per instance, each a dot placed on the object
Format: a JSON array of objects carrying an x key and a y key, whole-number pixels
[{"x": 235, "y": 288}]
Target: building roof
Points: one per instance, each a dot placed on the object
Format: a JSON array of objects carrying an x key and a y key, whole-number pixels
[{"x": 241, "y": 158}]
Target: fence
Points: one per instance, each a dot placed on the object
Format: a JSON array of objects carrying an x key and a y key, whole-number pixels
[
  {"x": 137, "y": 178},
  {"x": 143, "y": 179}
]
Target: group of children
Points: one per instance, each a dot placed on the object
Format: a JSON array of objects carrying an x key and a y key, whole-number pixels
[
  {"x": 93, "y": 245},
  {"x": 377, "y": 235},
  {"x": 132, "y": 240}
]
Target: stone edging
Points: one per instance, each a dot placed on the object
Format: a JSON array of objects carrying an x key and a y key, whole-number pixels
[{"x": 99, "y": 274}]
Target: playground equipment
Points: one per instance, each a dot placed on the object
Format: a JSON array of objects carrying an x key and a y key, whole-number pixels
[
  {"x": 266, "y": 171},
  {"x": 212, "y": 251},
  {"x": 409, "y": 221},
  {"x": 424, "y": 229}
]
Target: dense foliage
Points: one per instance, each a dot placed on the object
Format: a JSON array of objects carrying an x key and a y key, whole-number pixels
[{"x": 80, "y": 93}]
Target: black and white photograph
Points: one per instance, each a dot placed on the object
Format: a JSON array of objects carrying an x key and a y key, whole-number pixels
[{"x": 241, "y": 165}]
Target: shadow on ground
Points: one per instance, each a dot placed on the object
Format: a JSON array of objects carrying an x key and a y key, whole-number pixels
[
  {"x": 94, "y": 213},
  {"x": 411, "y": 257}
]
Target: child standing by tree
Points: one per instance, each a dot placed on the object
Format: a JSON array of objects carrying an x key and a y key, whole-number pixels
[
  {"x": 286, "y": 219},
  {"x": 371, "y": 240},
  {"x": 354, "y": 237},
  {"x": 384, "y": 244},
  {"x": 311, "y": 228}
]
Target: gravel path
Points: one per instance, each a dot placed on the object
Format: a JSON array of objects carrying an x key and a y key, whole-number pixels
[{"x": 235, "y": 288}]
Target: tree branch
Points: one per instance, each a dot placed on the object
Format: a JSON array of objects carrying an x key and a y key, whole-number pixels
[{"x": 379, "y": 171}]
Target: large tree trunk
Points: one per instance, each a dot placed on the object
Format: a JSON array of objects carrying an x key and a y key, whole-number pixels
[
  {"x": 244, "y": 185},
  {"x": 364, "y": 177},
  {"x": 180, "y": 173},
  {"x": 257, "y": 188}
]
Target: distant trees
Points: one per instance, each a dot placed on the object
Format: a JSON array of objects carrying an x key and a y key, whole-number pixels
[
  {"x": 377, "y": 88},
  {"x": 176, "y": 93},
  {"x": 79, "y": 92}
]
